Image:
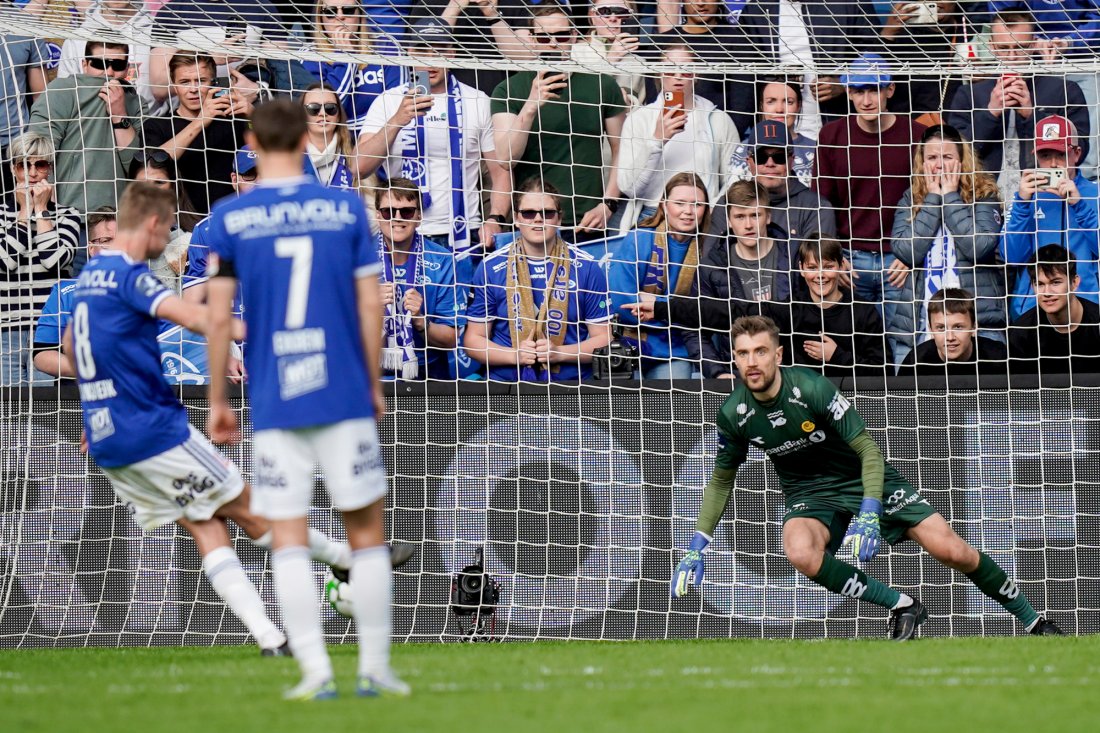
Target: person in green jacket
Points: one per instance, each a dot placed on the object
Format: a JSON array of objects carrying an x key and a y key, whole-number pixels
[{"x": 92, "y": 118}]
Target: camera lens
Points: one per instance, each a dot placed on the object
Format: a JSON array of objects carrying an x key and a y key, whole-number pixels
[{"x": 471, "y": 584}]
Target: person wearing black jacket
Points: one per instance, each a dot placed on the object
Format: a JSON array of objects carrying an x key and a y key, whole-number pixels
[
  {"x": 827, "y": 332},
  {"x": 954, "y": 349},
  {"x": 1062, "y": 332},
  {"x": 752, "y": 264}
]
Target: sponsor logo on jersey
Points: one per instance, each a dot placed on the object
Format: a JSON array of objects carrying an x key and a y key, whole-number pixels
[
  {"x": 299, "y": 375},
  {"x": 807, "y": 427},
  {"x": 838, "y": 406},
  {"x": 817, "y": 436},
  {"x": 742, "y": 409},
  {"x": 97, "y": 280},
  {"x": 777, "y": 419},
  {"x": 320, "y": 213},
  {"x": 100, "y": 424},
  {"x": 745, "y": 419},
  {"x": 796, "y": 401},
  {"x": 789, "y": 446},
  {"x": 370, "y": 76},
  {"x": 757, "y": 440}
]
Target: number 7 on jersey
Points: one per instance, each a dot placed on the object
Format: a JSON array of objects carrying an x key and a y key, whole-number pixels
[{"x": 300, "y": 252}]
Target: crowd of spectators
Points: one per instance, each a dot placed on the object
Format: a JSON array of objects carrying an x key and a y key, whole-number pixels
[{"x": 639, "y": 189}]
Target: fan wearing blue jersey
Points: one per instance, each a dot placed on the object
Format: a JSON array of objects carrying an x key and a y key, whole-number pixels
[
  {"x": 418, "y": 288},
  {"x": 308, "y": 270},
  {"x": 539, "y": 307},
  {"x": 136, "y": 429}
]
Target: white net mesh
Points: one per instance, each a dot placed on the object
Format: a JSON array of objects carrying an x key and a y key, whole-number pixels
[{"x": 579, "y": 494}]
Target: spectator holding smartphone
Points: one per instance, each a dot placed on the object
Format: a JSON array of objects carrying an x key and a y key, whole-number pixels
[
  {"x": 1042, "y": 214},
  {"x": 551, "y": 126},
  {"x": 615, "y": 37},
  {"x": 921, "y": 32},
  {"x": 205, "y": 132},
  {"x": 91, "y": 118},
  {"x": 678, "y": 132},
  {"x": 999, "y": 114}
]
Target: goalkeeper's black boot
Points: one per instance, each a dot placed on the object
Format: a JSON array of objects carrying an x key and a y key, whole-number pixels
[
  {"x": 277, "y": 651},
  {"x": 399, "y": 555},
  {"x": 904, "y": 621},
  {"x": 1046, "y": 628}
]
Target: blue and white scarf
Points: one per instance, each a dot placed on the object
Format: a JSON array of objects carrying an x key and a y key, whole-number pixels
[
  {"x": 940, "y": 270},
  {"x": 399, "y": 349},
  {"x": 415, "y": 168}
]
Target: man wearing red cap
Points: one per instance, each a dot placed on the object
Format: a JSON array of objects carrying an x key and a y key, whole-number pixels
[{"x": 1059, "y": 207}]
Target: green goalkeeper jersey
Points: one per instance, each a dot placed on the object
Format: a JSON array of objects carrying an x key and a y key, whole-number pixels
[{"x": 805, "y": 432}]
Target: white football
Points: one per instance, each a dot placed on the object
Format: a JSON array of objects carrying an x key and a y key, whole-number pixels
[{"x": 338, "y": 595}]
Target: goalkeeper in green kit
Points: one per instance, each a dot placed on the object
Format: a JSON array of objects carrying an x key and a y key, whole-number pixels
[{"x": 831, "y": 470}]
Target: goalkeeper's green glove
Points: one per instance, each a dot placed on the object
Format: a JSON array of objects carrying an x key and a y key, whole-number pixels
[
  {"x": 864, "y": 533},
  {"x": 691, "y": 566}
]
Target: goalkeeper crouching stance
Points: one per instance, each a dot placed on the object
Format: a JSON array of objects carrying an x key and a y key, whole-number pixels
[{"x": 831, "y": 470}]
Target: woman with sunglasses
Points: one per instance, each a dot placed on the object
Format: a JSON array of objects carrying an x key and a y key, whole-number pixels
[
  {"x": 329, "y": 147},
  {"x": 539, "y": 308},
  {"x": 37, "y": 243},
  {"x": 341, "y": 26},
  {"x": 947, "y": 229},
  {"x": 660, "y": 258},
  {"x": 614, "y": 38},
  {"x": 778, "y": 99}
]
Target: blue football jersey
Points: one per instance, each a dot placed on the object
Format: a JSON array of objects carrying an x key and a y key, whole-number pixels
[
  {"x": 587, "y": 299},
  {"x": 297, "y": 249},
  {"x": 130, "y": 413}
]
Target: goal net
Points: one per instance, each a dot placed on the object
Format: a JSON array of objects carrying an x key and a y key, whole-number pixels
[{"x": 894, "y": 191}]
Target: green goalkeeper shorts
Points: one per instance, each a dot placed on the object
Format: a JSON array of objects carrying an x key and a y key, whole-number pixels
[{"x": 903, "y": 507}]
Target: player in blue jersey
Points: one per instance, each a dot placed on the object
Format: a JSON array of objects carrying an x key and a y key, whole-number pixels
[
  {"x": 308, "y": 270},
  {"x": 522, "y": 326},
  {"x": 136, "y": 429}
]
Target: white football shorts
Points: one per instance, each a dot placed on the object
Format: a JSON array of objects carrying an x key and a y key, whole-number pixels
[
  {"x": 191, "y": 481},
  {"x": 283, "y": 463}
]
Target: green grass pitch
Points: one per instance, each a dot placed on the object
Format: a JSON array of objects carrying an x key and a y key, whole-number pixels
[{"x": 971, "y": 685}]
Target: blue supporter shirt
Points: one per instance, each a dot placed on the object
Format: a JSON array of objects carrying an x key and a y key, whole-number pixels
[
  {"x": 130, "y": 413},
  {"x": 297, "y": 249},
  {"x": 625, "y": 277},
  {"x": 437, "y": 285},
  {"x": 588, "y": 303},
  {"x": 182, "y": 352}
]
